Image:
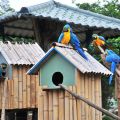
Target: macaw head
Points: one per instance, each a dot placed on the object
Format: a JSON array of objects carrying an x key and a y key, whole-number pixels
[
  {"x": 66, "y": 28},
  {"x": 109, "y": 52},
  {"x": 94, "y": 36}
]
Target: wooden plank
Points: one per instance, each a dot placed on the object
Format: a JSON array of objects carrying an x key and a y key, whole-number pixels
[
  {"x": 86, "y": 96},
  {"x": 12, "y": 93},
  {"x": 8, "y": 86},
  {"x": 20, "y": 87},
  {"x": 61, "y": 105},
  {"x": 46, "y": 115},
  {"x": 28, "y": 89},
  {"x": 32, "y": 89},
  {"x": 15, "y": 78},
  {"x": 41, "y": 107},
  {"x": 78, "y": 83},
  {"x": 71, "y": 105},
  {"x": 37, "y": 90},
  {"x": 100, "y": 97},
  {"x": 55, "y": 105},
  {"x": 82, "y": 94},
  {"x": 93, "y": 96},
  {"x": 67, "y": 106},
  {"x": 24, "y": 87},
  {"x": 4, "y": 99},
  {"x": 50, "y": 97},
  {"x": 74, "y": 105},
  {"x": 90, "y": 95}
]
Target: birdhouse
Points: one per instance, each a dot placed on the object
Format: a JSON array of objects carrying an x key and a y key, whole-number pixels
[{"x": 61, "y": 66}]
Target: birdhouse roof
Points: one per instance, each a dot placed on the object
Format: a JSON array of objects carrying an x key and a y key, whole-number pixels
[
  {"x": 21, "y": 54},
  {"x": 90, "y": 66}
]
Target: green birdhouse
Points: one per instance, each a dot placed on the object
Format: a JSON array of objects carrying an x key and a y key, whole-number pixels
[{"x": 60, "y": 65}]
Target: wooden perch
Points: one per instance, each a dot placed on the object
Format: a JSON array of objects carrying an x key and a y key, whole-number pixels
[{"x": 90, "y": 103}]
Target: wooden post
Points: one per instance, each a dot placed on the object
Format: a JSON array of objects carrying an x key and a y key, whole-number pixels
[
  {"x": 4, "y": 99},
  {"x": 117, "y": 76}
]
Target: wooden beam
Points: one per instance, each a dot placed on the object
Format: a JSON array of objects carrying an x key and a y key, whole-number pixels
[
  {"x": 15, "y": 27},
  {"x": 4, "y": 99}
]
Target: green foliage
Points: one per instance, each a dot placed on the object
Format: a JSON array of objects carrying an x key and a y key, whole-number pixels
[
  {"x": 108, "y": 8},
  {"x": 107, "y": 118},
  {"x": 115, "y": 43}
]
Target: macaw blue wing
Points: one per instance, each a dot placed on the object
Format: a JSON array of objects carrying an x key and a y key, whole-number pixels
[
  {"x": 74, "y": 40},
  {"x": 102, "y": 38},
  {"x": 81, "y": 52},
  {"x": 114, "y": 59},
  {"x": 76, "y": 43},
  {"x": 60, "y": 37}
]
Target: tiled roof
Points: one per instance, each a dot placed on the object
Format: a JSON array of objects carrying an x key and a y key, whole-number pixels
[
  {"x": 90, "y": 66},
  {"x": 21, "y": 54},
  {"x": 62, "y": 12},
  {"x": 55, "y": 10}
]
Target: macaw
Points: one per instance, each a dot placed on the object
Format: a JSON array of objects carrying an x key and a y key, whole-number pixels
[
  {"x": 64, "y": 37},
  {"x": 67, "y": 36},
  {"x": 98, "y": 41},
  {"x": 114, "y": 59}
]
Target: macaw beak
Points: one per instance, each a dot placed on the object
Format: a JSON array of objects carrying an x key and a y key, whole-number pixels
[
  {"x": 94, "y": 38},
  {"x": 65, "y": 29}
]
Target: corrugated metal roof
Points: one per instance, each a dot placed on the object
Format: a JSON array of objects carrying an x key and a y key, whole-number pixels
[
  {"x": 62, "y": 12},
  {"x": 90, "y": 66},
  {"x": 21, "y": 53}
]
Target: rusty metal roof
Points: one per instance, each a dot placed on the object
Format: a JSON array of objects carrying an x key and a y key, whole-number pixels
[
  {"x": 21, "y": 54},
  {"x": 90, "y": 66}
]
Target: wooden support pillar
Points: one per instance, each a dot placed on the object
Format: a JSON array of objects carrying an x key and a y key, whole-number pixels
[
  {"x": 38, "y": 32},
  {"x": 2, "y": 31},
  {"x": 88, "y": 37},
  {"x": 117, "y": 76}
]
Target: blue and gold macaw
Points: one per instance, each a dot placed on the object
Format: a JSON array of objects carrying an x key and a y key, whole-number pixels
[
  {"x": 67, "y": 36},
  {"x": 114, "y": 59},
  {"x": 99, "y": 41}
]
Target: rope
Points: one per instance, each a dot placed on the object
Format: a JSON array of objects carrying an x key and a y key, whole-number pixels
[{"x": 90, "y": 103}]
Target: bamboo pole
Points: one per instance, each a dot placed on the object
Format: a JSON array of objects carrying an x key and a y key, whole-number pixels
[
  {"x": 90, "y": 103},
  {"x": 4, "y": 99}
]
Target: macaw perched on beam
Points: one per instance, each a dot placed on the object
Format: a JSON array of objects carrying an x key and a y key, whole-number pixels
[
  {"x": 114, "y": 59},
  {"x": 98, "y": 41},
  {"x": 67, "y": 36}
]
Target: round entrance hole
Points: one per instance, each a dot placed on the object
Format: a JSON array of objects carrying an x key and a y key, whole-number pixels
[{"x": 57, "y": 78}]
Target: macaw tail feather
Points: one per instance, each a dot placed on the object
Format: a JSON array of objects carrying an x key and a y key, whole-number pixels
[
  {"x": 110, "y": 79},
  {"x": 113, "y": 68},
  {"x": 81, "y": 52}
]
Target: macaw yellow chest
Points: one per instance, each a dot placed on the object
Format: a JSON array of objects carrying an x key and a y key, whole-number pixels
[
  {"x": 99, "y": 42},
  {"x": 66, "y": 38}
]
